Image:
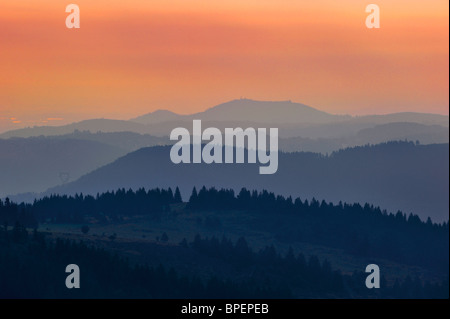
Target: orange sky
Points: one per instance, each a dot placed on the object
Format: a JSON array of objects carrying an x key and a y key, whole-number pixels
[{"x": 132, "y": 57}]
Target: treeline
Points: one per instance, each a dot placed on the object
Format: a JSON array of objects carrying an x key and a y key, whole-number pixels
[
  {"x": 33, "y": 267},
  {"x": 103, "y": 207},
  {"x": 307, "y": 277},
  {"x": 12, "y": 213},
  {"x": 359, "y": 230},
  {"x": 264, "y": 201}
]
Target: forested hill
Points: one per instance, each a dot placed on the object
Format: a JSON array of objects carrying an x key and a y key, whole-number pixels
[
  {"x": 395, "y": 176},
  {"x": 364, "y": 232},
  {"x": 360, "y": 230}
]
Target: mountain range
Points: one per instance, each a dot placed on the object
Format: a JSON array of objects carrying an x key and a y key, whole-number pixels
[
  {"x": 35, "y": 159},
  {"x": 35, "y": 164},
  {"x": 292, "y": 119},
  {"x": 395, "y": 176}
]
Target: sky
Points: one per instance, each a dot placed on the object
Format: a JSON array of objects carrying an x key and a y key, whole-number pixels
[{"x": 133, "y": 57}]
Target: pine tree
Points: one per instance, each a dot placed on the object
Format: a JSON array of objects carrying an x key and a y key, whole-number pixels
[
  {"x": 178, "y": 198},
  {"x": 193, "y": 199}
]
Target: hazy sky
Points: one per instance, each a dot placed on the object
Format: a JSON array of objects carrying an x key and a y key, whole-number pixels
[{"x": 133, "y": 57}]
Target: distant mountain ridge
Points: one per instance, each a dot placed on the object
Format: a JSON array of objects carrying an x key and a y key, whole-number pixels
[
  {"x": 322, "y": 133},
  {"x": 157, "y": 116},
  {"x": 93, "y": 126},
  {"x": 244, "y": 110},
  {"x": 394, "y": 176},
  {"x": 92, "y": 150},
  {"x": 292, "y": 119},
  {"x": 35, "y": 164}
]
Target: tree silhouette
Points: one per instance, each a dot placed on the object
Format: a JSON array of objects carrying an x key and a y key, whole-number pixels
[{"x": 177, "y": 196}]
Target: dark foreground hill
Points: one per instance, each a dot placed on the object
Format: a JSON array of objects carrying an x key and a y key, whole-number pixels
[
  {"x": 413, "y": 255},
  {"x": 395, "y": 176}
]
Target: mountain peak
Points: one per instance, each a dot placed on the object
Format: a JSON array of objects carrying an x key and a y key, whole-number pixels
[
  {"x": 156, "y": 117},
  {"x": 247, "y": 110},
  {"x": 277, "y": 112},
  {"x": 162, "y": 112}
]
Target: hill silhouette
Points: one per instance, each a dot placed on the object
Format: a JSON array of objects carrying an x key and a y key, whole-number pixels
[
  {"x": 35, "y": 164},
  {"x": 157, "y": 116},
  {"x": 92, "y": 125},
  {"x": 364, "y": 232},
  {"x": 128, "y": 141},
  {"x": 395, "y": 176},
  {"x": 277, "y": 112},
  {"x": 292, "y": 119}
]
